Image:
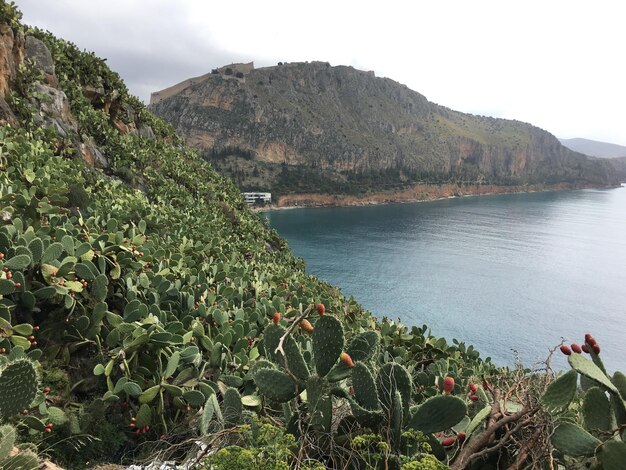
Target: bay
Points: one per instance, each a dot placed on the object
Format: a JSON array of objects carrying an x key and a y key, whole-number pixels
[{"x": 505, "y": 273}]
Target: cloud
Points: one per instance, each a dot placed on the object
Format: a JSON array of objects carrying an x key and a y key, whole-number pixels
[{"x": 149, "y": 43}]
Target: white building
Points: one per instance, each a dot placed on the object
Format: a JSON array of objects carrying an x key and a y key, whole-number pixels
[{"x": 255, "y": 198}]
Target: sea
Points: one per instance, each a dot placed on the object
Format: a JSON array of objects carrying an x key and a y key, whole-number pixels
[{"x": 513, "y": 275}]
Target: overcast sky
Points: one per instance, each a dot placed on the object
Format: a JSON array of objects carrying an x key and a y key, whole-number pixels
[{"x": 556, "y": 64}]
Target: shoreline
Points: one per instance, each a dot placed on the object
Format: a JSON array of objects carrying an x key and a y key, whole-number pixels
[{"x": 421, "y": 192}]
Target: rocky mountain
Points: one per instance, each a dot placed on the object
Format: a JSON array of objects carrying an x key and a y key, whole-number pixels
[
  {"x": 595, "y": 148},
  {"x": 310, "y": 127}
]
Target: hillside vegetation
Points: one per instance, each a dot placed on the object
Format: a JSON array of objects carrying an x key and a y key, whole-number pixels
[
  {"x": 310, "y": 127},
  {"x": 147, "y": 315}
]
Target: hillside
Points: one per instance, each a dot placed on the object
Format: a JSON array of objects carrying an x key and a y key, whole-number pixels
[
  {"x": 595, "y": 148},
  {"x": 147, "y": 315},
  {"x": 310, "y": 127}
]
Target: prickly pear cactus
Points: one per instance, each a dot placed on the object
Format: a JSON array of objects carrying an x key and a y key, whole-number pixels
[
  {"x": 294, "y": 360},
  {"x": 275, "y": 385},
  {"x": 233, "y": 409},
  {"x": 438, "y": 414},
  {"x": 603, "y": 409},
  {"x": 7, "y": 441},
  {"x": 395, "y": 419},
  {"x": 596, "y": 410},
  {"x": 560, "y": 392},
  {"x": 574, "y": 440},
  {"x": 21, "y": 461},
  {"x": 364, "y": 387},
  {"x": 393, "y": 377},
  {"x": 328, "y": 344},
  {"x": 293, "y": 374},
  {"x": 18, "y": 386},
  {"x": 320, "y": 403}
]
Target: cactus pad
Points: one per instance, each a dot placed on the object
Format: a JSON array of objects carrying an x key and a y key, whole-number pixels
[
  {"x": 320, "y": 403},
  {"x": 587, "y": 368},
  {"x": 619, "y": 380},
  {"x": 7, "y": 440},
  {"x": 438, "y": 414},
  {"x": 367, "y": 418},
  {"x": 295, "y": 361},
  {"x": 574, "y": 441},
  {"x": 21, "y": 461},
  {"x": 364, "y": 387},
  {"x": 233, "y": 408},
  {"x": 18, "y": 387},
  {"x": 275, "y": 385},
  {"x": 560, "y": 392},
  {"x": 392, "y": 377},
  {"x": 395, "y": 419},
  {"x": 613, "y": 455},
  {"x": 477, "y": 420},
  {"x": 596, "y": 410},
  {"x": 363, "y": 346},
  {"x": 327, "y": 344}
]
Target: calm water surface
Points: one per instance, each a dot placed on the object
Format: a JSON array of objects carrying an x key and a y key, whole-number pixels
[{"x": 511, "y": 272}]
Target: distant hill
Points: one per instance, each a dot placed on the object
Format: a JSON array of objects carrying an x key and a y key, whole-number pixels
[
  {"x": 595, "y": 148},
  {"x": 311, "y": 127}
]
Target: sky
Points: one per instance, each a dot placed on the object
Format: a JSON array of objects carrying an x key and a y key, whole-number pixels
[{"x": 556, "y": 64}]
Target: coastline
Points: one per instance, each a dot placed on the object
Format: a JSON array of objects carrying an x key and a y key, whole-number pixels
[{"x": 421, "y": 192}]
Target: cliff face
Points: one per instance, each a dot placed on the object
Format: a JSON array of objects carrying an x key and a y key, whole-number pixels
[
  {"x": 619, "y": 164},
  {"x": 310, "y": 120}
]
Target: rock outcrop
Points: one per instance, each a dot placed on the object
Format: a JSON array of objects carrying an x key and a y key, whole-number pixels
[
  {"x": 50, "y": 105},
  {"x": 358, "y": 131},
  {"x": 11, "y": 56}
]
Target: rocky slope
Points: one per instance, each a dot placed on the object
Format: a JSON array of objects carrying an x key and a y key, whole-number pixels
[{"x": 306, "y": 127}]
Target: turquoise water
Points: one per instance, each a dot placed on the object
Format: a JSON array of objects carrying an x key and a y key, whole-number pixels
[{"x": 511, "y": 272}]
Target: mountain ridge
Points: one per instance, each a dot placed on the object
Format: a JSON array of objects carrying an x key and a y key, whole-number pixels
[
  {"x": 595, "y": 148},
  {"x": 293, "y": 127}
]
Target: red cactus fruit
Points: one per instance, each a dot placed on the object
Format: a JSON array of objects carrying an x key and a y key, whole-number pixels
[
  {"x": 473, "y": 388},
  {"x": 576, "y": 348},
  {"x": 448, "y": 385},
  {"x": 473, "y": 397},
  {"x": 306, "y": 326},
  {"x": 585, "y": 348},
  {"x": 346, "y": 359},
  {"x": 447, "y": 442},
  {"x": 321, "y": 309},
  {"x": 566, "y": 350},
  {"x": 46, "y": 390},
  {"x": 276, "y": 318},
  {"x": 461, "y": 437},
  {"x": 596, "y": 349},
  {"x": 590, "y": 340}
]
